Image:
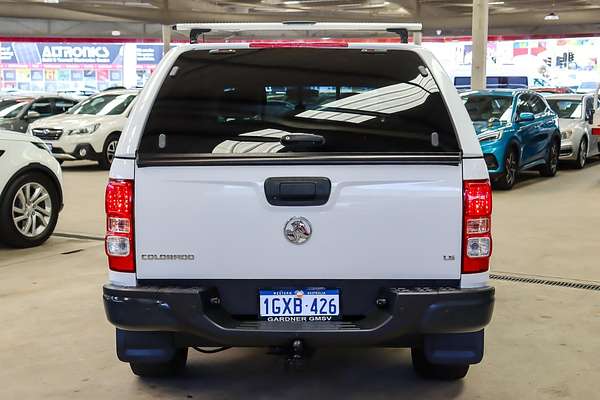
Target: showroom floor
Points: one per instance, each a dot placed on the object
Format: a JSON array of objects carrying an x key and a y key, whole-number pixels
[{"x": 55, "y": 342}]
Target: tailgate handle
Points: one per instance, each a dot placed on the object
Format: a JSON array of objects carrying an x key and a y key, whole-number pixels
[{"x": 297, "y": 191}]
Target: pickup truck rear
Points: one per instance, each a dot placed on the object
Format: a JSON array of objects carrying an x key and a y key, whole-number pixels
[{"x": 299, "y": 196}]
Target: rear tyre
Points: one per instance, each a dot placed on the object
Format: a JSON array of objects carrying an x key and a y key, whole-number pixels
[
  {"x": 29, "y": 210},
  {"x": 581, "y": 154},
  {"x": 173, "y": 367},
  {"x": 108, "y": 151},
  {"x": 427, "y": 370},
  {"x": 551, "y": 166},
  {"x": 507, "y": 180}
]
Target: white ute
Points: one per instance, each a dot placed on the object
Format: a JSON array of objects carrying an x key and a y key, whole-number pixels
[{"x": 299, "y": 195}]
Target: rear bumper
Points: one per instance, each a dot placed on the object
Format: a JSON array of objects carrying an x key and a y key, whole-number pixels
[{"x": 195, "y": 316}]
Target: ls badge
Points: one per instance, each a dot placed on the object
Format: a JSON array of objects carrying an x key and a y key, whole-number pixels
[{"x": 297, "y": 230}]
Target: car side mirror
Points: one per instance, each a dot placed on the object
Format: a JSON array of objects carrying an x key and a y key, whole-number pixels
[
  {"x": 525, "y": 117},
  {"x": 32, "y": 115}
]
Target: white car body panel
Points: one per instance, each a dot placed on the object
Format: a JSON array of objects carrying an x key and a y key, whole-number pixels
[
  {"x": 20, "y": 153},
  {"x": 214, "y": 209}
]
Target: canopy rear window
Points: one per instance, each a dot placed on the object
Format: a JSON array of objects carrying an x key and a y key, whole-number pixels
[{"x": 281, "y": 102}]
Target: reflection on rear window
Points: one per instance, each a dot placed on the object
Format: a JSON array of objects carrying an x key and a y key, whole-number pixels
[
  {"x": 243, "y": 103},
  {"x": 494, "y": 82}
]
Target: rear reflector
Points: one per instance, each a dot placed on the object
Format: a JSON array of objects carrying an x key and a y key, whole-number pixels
[
  {"x": 119, "y": 225},
  {"x": 477, "y": 237},
  {"x": 276, "y": 44}
]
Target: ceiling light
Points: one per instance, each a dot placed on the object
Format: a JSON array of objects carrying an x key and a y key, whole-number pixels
[
  {"x": 116, "y": 33},
  {"x": 438, "y": 32},
  {"x": 496, "y": 3},
  {"x": 551, "y": 17},
  {"x": 51, "y": 1}
]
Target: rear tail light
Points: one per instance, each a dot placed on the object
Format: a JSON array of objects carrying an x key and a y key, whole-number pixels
[
  {"x": 477, "y": 236},
  {"x": 119, "y": 225},
  {"x": 596, "y": 131}
]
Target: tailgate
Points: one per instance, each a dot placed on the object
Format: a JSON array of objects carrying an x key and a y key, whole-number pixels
[{"x": 380, "y": 222}]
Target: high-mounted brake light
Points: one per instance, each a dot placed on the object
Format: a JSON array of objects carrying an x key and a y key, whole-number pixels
[
  {"x": 477, "y": 224},
  {"x": 282, "y": 43},
  {"x": 119, "y": 225}
]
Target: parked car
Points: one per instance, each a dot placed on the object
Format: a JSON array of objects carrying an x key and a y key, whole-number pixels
[
  {"x": 90, "y": 130},
  {"x": 30, "y": 190},
  {"x": 553, "y": 90},
  {"x": 576, "y": 114},
  {"x": 338, "y": 191},
  {"x": 17, "y": 112},
  {"x": 517, "y": 131},
  {"x": 500, "y": 77}
]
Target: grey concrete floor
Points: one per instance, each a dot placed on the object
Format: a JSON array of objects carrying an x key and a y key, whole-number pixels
[{"x": 543, "y": 343}]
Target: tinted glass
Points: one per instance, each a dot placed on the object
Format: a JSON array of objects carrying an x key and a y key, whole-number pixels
[
  {"x": 243, "y": 103},
  {"x": 537, "y": 105},
  {"x": 11, "y": 108},
  {"x": 566, "y": 108},
  {"x": 486, "y": 108},
  {"x": 108, "y": 104},
  {"x": 523, "y": 104},
  {"x": 62, "y": 105},
  {"x": 43, "y": 107}
]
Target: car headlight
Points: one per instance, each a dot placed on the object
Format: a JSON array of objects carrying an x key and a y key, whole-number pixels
[
  {"x": 492, "y": 135},
  {"x": 567, "y": 134},
  {"x": 86, "y": 130}
]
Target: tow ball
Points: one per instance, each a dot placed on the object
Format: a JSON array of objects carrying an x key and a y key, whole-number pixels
[{"x": 297, "y": 355}]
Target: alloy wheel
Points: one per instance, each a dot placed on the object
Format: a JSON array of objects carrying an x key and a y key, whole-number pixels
[
  {"x": 511, "y": 168},
  {"x": 582, "y": 153},
  {"x": 554, "y": 157},
  {"x": 111, "y": 149},
  {"x": 31, "y": 209}
]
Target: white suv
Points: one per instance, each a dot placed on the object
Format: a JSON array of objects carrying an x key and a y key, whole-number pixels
[
  {"x": 90, "y": 130},
  {"x": 30, "y": 190},
  {"x": 299, "y": 195}
]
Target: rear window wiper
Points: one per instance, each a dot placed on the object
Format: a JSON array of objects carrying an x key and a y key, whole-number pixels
[{"x": 287, "y": 140}]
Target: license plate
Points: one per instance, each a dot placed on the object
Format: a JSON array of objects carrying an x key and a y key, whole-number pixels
[{"x": 299, "y": 305}]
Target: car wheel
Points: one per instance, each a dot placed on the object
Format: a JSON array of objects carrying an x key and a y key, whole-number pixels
[
  {"x": 507, "y": 180},
  {"x": 427, "y": 370},
  {"x": 108, "y": 151},
  {"x": 29, "y": 210},
  {"x": 173, "y": 367},
  {"x": 551, "y": 166},
  {"x": 582, "y": 154}
]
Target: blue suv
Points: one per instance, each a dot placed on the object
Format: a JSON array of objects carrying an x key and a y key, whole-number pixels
[{"x": 517, "y": 131}]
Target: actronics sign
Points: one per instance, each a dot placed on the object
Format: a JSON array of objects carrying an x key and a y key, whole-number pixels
[
  {"x": 24, "y": 53},
  {"x": 76, "y": 54}
]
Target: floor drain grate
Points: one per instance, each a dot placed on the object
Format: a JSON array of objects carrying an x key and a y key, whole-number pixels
[{"x": 547, "y": 282}]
